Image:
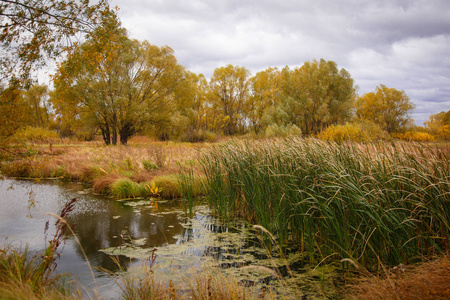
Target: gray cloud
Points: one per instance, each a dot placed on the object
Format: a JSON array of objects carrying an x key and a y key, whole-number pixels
[{"x": 400, "y": 43}]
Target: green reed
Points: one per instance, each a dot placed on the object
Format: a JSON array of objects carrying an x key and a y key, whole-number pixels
[{"x": 372, "y": 203}]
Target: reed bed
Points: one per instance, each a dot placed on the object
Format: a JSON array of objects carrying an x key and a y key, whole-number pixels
[{"x": 374, "y": 204}]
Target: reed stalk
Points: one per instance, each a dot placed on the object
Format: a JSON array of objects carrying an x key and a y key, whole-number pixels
[{"x": 363, "y": 201}]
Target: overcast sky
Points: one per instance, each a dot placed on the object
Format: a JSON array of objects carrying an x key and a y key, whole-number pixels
[{"x": 404, "y": 44}]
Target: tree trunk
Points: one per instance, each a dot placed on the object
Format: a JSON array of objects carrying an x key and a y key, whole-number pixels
[
  {"x": 114, "y": 130},
  {"x": 126, "y": 132},
  {"x": 106, "y": 134}
]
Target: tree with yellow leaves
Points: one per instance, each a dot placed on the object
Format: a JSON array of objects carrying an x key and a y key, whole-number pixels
[
  {"x": 117, "y": 84},
  {"x": 439, "y": 125},
  {"x": 388, "y": 108},
  {"x": 229, "y": 90}
]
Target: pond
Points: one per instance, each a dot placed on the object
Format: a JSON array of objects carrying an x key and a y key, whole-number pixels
[{"x": 132, "y": 230}]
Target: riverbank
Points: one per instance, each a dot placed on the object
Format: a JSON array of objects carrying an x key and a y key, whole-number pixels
[{"x": 144, "y": 168}]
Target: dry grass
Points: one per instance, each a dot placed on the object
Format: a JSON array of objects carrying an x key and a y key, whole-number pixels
[
  {"x": 102, "y": 185},
  {"x": 429, "y": 280},
  {"x": 147, "y": 281},
  {"x": 100, "y": 165}
]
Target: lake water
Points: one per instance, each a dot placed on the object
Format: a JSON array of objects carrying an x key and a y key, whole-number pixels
[{"x": 132, "y": 230}]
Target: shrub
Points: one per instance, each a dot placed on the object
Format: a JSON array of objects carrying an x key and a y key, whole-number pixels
[
  {"x": 275, "y": 130},
  {"x": 198, "y": 136},
  {"x": 85, "y": 135},
  {"x": 36, "y": 135},
  {"x": 19, "y": 168},
  {"x": 353, "y": 132},
  {"x": 415, "y": 136}
]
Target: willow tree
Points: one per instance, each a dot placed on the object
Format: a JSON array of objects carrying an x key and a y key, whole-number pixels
[
  {"x": 389, "y": 108},
  {"x": 229, "y": 90},
  {"x": 321, "y": 94},
  {"x": 439, "y": 124},
  {"x": 264, "y": 91},
  {"x": 116, "y": 84}
]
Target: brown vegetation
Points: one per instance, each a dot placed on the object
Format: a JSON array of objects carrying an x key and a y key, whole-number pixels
[
  {"x": 429, "y": 280},
  {"x": 142, "y": 161}
]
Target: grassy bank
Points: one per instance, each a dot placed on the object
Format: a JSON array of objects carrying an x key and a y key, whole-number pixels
[
  {"x": 371, "y": 203},
  {"x": 142, "y": 169}
]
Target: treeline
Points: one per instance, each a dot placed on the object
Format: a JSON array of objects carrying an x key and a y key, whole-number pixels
[{"x": 119, "y": 87}]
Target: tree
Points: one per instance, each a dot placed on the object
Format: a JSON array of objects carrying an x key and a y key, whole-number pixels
[
  {"x": 388, "y": 108},
  {"x": 316, "y": 95},
  {"x": 192, "y": 108},
  {"x": 229, "y": 88},
  {"x": 34, "y": 31},
  {"x": 265, "y": 89},
  {"x": 36, "y": 98},
  {"x": 439, "y": 124},
  {"x": 117, "y": 84},
  {"x": 20, "y": 108},
  {"x": 13, "y": 113}
]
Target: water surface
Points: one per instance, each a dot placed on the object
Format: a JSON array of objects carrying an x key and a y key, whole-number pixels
[{"x": 132, "y": 230}]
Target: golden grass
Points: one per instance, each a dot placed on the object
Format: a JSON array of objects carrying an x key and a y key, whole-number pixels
[{"x": 429, "y": 280}]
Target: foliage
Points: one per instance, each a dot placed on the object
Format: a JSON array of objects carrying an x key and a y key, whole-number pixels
[
  {"x": 358, "y": 132},
  {"x": 36, "y": 135},
  {"x": 34, "y": 31},
  {"x": 192, "y": 108},
  {"x": 439, "y": 125},
  {"x": 38, "y": 107},
  {"x": 372, "y": 203},
  {"x": 20, "y": 108},
  {"x": 275, "y": 130},
  {"x": 117, "y": 84},
  {"x": 12, "y": 112},
  {"x": 389, "y": 108},
  {"x": 228, "y": 92},
  {"x": 265, "y": 87},
  {"x": 317, "y": 95},
  {"x": 416, "y": 136}
]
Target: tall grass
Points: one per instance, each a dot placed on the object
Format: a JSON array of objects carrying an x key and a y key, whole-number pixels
[
  {"x": 372, "y": 203},
  {"x": 31, "y": 276}
]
